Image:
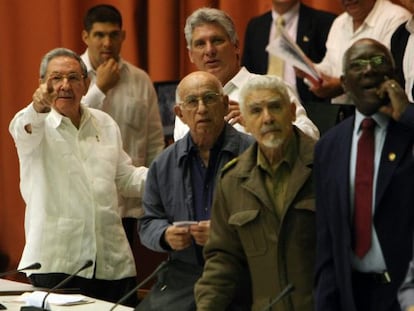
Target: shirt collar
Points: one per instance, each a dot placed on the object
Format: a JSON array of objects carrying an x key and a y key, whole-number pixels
[
  {"x": 87, "y": 61},
  {"x": 381, "y": 120},
  {"x": 289, "y": 15},
  {"x": 373, "y": 18},
  {"x": 410, "y": 25},
  {"x": 238, "y": 80},
  {"x": 56, "y": 119}
]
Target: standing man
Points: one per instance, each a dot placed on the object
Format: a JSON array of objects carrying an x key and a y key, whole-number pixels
[
  {"x": 71, "y": 166},
  {"x": 213, "y": 46},
  {"x": 180, "y": 187},
  {"x": 263, "y": 216},
  {"x": 125, "y": 92},
  {"x": 309, "y": 28},
  {"x": 364, "y": 195}
]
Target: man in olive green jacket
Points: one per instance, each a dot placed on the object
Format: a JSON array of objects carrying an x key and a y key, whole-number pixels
[{"x": 263, "y": 217}]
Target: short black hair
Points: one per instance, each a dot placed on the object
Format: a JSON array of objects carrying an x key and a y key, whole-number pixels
[{"x": 103, "y": 13}]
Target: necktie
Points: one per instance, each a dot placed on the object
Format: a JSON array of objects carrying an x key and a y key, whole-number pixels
[
  {"x": 276, "y": 64},
  {"x": 364, "y": 175}
]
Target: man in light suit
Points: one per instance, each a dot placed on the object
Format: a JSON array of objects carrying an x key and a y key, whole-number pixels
[
  {"x": 309, "y": 28},
  {"x": 347, "y": 280}
]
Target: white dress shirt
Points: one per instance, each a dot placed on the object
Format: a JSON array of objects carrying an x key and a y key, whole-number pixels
[
  {"x": 69, "y": 179},
  {"x": 133, "y": 104},
  {"x": 408, "y": 61},
  {"x": 373, "y": 261}
]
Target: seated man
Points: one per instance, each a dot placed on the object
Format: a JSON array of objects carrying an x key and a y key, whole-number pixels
[{"x": 180, "y": 186}]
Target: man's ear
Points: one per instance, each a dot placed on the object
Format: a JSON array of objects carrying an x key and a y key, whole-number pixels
[
  {"x": 343, "y": 82},
  {"x": 85, "y": 36},
  {"x": 226, "y": 103},
  {"x": 190, "y": 56},
  {"x": 86, "y": 82},
  {"x": 293, "y": 111},
  {"x": 178, "y": 112}
]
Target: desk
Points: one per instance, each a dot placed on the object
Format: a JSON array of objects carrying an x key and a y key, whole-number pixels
[
  {"x": 14, "y": 288},
  {"x": 97, "y": 305},
  {"x": 10, "y": 291}
]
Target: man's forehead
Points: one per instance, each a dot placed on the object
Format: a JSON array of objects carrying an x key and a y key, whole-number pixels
[
  {"x": 206, "y": 29},
  {"x": 58, "y": 62},
  {"x": 105, "y": 27},
  {"x": 366, "y": 48}
]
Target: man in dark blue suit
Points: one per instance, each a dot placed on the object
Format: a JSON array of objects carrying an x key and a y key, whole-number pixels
[
  {"x": 310, "y": 28},
  {"x": 347, "y": 280}
]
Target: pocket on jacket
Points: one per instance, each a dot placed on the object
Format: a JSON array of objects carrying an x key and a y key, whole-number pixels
[
  {"x": 250, "y": 230},
  {"x": 307, "y": 204}
]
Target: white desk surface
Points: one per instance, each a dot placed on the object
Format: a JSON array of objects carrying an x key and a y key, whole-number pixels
[
  {"x": 8, "y": 287},
  {"x": 98, "y": 305},
  {"x": 10, "y": 291}
]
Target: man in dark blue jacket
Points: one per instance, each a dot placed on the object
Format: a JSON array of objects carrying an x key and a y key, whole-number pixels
[{"x": 179, "y": 188}]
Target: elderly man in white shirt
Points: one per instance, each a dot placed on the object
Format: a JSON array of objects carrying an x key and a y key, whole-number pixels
[{"x": 71, "y": 165}]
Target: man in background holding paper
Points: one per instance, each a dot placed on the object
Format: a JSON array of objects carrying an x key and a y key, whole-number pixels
[{"x": 309, "y": 28}]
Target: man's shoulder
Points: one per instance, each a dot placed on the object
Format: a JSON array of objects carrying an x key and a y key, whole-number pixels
[
  {"x": 259, "y": 19},
  {"x": 229, "y": 165},
  {"x": 136, "y": 71},
  {"x": 316, "y": 13}
]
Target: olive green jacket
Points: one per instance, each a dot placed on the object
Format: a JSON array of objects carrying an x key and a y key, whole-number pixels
[{"x": 247, "y": 235}]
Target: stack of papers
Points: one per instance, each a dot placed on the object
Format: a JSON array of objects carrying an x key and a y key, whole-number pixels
[
  {"x": 286, "y": 48},
  {"x": 36, "y": 299}
]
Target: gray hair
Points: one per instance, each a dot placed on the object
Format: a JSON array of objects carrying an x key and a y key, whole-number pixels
[
  {"x": 259, "y": 82},
  {"x": 57, "y": 53},
  {"x": 209, "y": 16}
]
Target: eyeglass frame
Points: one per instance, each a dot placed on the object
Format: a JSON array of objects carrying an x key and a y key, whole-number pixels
[
  {"x": 360, "y": 64},
  {"x": 186, "y": 105},
  {"x": 69, "y": 77}
]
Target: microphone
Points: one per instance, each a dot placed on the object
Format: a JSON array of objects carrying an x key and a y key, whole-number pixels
[
  {"x": 87, "y": 264},
  {"x": 286, "y": 291},
  {"x": 34, "y": 266},
  {"x": 148, "y": 278}
]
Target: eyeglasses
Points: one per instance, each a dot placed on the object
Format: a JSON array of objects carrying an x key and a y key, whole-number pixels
[
  {"x": 360, "y": 64},
  {"x": 72, "y": 78},
  {"x": 208, "y": 99}
]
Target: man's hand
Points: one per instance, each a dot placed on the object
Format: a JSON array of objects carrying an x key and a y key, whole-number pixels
[
  {"x": 398, "y": 101},
  {"x": 234, "y": 116},
  {"x": 200, "y": 232},
  {"x": 178, "y": 238},
  {"x": 329, "y": 88},
  {"x": 44, "y": 97},
  {"x": 107, "y": 75}
]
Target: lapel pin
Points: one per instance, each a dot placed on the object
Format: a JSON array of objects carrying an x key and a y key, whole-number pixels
[
  {"x": 392, "y": 156},
  {"x": 305, "y": 39}
]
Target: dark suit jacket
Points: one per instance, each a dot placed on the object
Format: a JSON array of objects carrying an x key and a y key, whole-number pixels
[
  {"x": 399, "y": 41},
  {"x": 313, "y": 29},
  {"x": 394, "y": 212}
]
